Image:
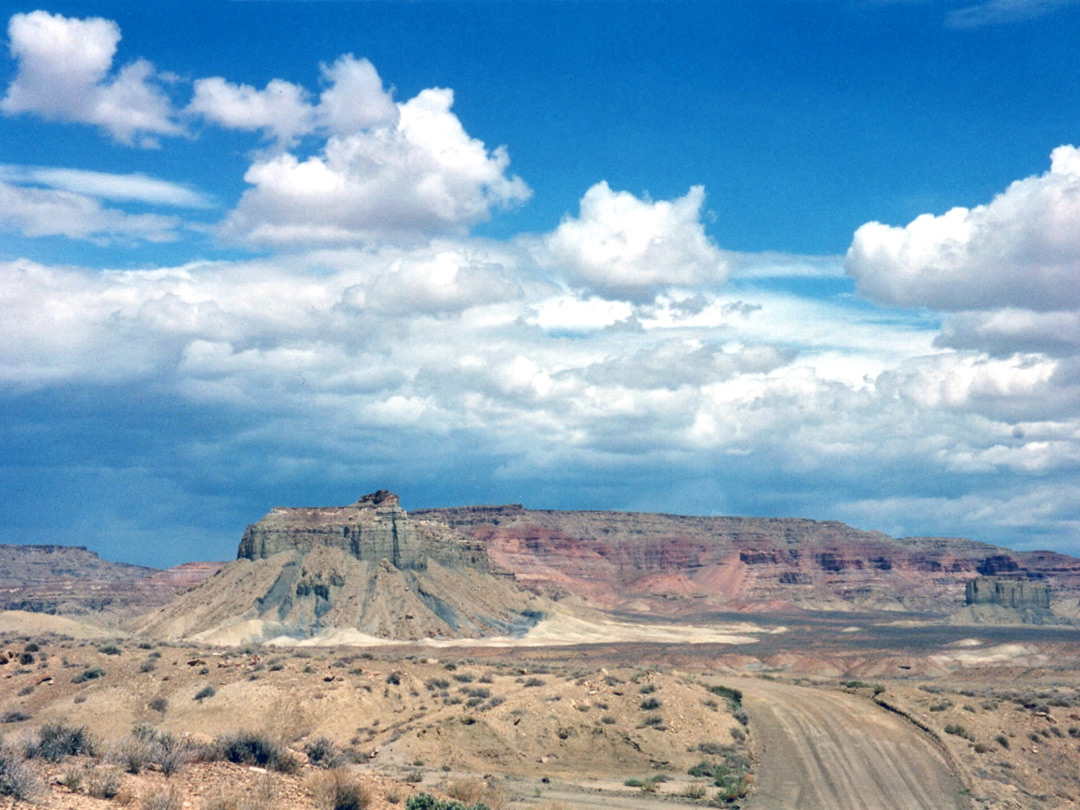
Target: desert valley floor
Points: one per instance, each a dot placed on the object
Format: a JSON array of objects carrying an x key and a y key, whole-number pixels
[
  {"x": 821, "y": 714},
  {"x": 498, "y": 657}
]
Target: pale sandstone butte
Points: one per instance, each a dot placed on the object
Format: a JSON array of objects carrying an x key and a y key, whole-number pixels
[
  {"x": 679, "y": 565},
  {"x": 1009, "y": 593},
  {"x": 367, "y": 567}
]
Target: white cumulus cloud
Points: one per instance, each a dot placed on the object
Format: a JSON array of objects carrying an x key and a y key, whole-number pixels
[
  {"x": 623, "y": 245},
  {"x": 421, "y": 174},
  {"x": 280, "y": 109},
  {"x": 65, "y": 74},
  {"x": 1022, "y": 249}
]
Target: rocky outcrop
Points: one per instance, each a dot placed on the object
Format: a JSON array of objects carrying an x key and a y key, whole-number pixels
[
  {"x": 349, "y": 573},
  {"x": 372, "y": 529},
  {"x": 1010, "y": 593}
]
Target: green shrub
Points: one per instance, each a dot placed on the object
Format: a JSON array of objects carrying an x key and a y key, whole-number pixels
[
  {"x": 204, "y": 693},
  {"x": 14, "y": 717},
  {"x": 534, "y": 682},
  {"x": 321, "y": 752},
  {"x": 55, "y": 741},
  {"x": 89, "y": 675},
  {"x": 733, "y": 696},
  {"x": 110, "y": 649},
  {"x": 252, "y": 748},
  {"x": 649, "y": 704}
]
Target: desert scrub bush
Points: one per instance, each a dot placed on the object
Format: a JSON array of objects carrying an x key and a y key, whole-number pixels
[
  {"x": 159, "y": 705},
  {"x": 103, "y": 784},
  {"x": 31, "y": 647},
  {"x": 339, "y": 790},
  {"x": 534, "y": 682},
  {"x": 72, "y": 780},
  {"x": 1002, "y": 740},
  {"x": 469, "y": 791},
  {"x": 958, "y": 731},
  {"x": 694, "y": 791},
  {"x": 253, "y": 748},
  {"x": 110, "y": 649},
  {"x": 463, "y": 677},
  {"x": 17, "y": 778},
  {"x": 649, "y": 704},
  {"x": 436, "y": 684},
  {"x": 713, "y": 748},
  {"x": 654, "y": 721},
  {"x": 648, "y": 689},
  {"x": 941, "y": 707},
  {"x": 55, "y": 741},
  {"x": 732, "y": 696},
  {"x": 162, "y": 800},
  {"x": 14, "y": 717},
  {"x": 425, "y": 801},
  {"x": 147, "y": 746},
  {"x": 89, "y": 675},
  {"x": 26, "y": 658},
  {"x": 204, "y": 693},
  {"x": 322, "y": 753}
]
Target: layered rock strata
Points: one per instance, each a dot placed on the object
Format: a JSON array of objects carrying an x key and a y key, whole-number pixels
[
  {"x": 679, "y": 565},
  {"x": 359, "y": 571}
]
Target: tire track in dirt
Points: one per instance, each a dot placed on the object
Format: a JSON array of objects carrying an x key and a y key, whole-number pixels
[{"x": 822, "y": 750}]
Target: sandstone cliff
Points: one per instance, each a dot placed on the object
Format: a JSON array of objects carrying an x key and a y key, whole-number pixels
[
  {"x": 679, "y": 565},
  {"x": 367, "y": 568}
]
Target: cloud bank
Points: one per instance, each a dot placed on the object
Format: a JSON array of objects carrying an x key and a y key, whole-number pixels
[{"x": 621, "y": 358}]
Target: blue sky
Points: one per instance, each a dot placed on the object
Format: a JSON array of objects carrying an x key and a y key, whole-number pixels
[{"x": 775, "y": 258}]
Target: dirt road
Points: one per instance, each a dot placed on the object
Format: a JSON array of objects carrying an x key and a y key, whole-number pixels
[{"x": 823, "y": 750}]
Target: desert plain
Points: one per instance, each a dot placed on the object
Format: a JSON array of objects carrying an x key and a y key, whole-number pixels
[{"x": 363, "y": 656}]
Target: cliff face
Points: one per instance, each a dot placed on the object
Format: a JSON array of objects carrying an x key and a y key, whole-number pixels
[
  {"x": 367, "y": 568},
  {"x": 1009, "y": 593},
  {"x": 374, "y": 528},
  {"x": 679, "y": 565}
]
